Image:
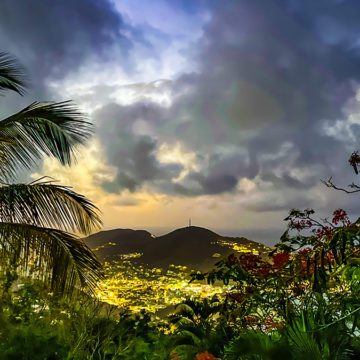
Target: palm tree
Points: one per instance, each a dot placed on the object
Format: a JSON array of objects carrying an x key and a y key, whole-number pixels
[
  {"x": 199, "y": 328},
  {"x": 36, "y": 217}
]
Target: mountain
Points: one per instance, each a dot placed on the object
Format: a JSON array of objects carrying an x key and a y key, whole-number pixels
[
  {"x": 194, "y": 247},
  {"x": 111, "y": 243}
]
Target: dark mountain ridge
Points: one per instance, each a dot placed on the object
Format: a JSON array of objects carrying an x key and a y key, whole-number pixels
[{"x": 194, "y": 247}]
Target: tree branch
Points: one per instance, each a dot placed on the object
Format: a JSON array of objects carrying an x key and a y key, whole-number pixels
[{"x": 329, "y": 183}]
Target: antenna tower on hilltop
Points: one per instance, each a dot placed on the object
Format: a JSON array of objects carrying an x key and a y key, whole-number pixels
[{"x": 189, "y": 222}]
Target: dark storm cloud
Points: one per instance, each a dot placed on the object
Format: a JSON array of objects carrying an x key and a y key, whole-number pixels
[
  {"x": 283, "y": 204},
  {"x": 218, "y": 177},
  {"x": 269, "y": 73},
  {"x": 275, "y": 70},
  {"x": 215, "y": 184},
  {"x": 265, "y": 64},
  {"x": 288, "y": 181},
  {"x": 131, "y": 153},
  {"x": 53, "y": 37},
  {"x": 197, "y": 184}
]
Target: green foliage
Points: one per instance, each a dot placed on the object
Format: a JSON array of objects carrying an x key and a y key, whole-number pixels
[
  {"x": 199, "y": 327},
  {"x": 11, "y": 74},
  {"x": 35, "y": 218},
  {"x": 46, "y": 327},
  {"x": 32, "y": 343},
  {"x": 301, "y": 299},
  {"x": 253, "y": 345}
]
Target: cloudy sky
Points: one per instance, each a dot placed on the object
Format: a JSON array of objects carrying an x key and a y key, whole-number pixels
[{"x": 229, "y": 112}]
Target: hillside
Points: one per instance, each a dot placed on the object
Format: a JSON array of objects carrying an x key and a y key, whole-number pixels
[
  {"x": 111, "y": 243},
  {"x": 194, "y": 247}
]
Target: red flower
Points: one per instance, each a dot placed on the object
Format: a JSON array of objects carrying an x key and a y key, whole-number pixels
[
  {"x": 303, "y": 256},
  {"x": 324, "y": 232},
  {"x": 280, "y": 259},
  {"x": 340, "y": 215},
  {"x": 249, "y": 261},
  {"x": 270, "y": 324},
  {"x": 329, "y": 257},
  {"x": 205, "y": 356},
  {"x": 304, "y": 252},
  {"x": 300, "y": 224}
]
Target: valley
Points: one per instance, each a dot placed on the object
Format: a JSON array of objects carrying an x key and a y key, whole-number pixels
[{"x": 153, "y": 273}]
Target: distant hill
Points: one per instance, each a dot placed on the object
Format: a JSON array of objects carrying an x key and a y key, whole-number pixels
[
  {"x": 194, "y": 247},
  {"x": 119, "y": 241}
]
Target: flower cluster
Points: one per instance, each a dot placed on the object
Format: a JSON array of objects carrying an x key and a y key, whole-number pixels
[
  {"x": 280, "y": 259},
  {"x": 303, "y": 261},
  {"x": 249, "y": 261},
  {"x": 205, "y": 356},
  {"x": 329, "y": 257},
  {"x": 340, "y": 215},
  {"x": 271, "y": 324},
  {"x": 255, "y": 265},
  {"x": 304, "y": 252},
  {"x": 325, "y": 232},
  {"x": 300, "y": 220},
  {"x": 300, "y": 224}
]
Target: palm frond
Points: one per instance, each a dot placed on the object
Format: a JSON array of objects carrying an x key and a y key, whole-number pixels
[
  {"x": 184, "y": 309},
  {"x": 11, "y": 75},
  {"x": 51, "y": 129},
  {"x": 257, "y": 345},
  {"x": 28, "y": 244},
  {"x": 59, "y": 259},
  {"x": 300, "y": 335},
  {"x": 48, "y": 205}
]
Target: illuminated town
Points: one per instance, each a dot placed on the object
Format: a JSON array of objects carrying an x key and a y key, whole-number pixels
[{"x": 134, "y": 286}]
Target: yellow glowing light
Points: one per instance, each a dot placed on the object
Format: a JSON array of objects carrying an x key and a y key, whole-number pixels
[{"x": 132, "y": 286}]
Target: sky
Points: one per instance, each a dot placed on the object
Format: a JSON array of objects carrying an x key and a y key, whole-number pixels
[{"x": 226, "y": 112}]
